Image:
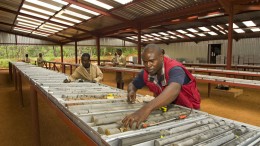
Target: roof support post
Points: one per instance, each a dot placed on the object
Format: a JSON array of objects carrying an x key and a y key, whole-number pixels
[
  {"x": 139, "y": 45},
  {"x": 98, "y": 49},
  {"x": 61, "y": 52},
  {"x": 230, "y": 37},
  {"x": 15, "y": 39},
  {"x": 76, "y": 52}
]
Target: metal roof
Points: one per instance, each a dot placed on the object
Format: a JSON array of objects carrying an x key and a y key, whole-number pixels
[{"x": 160, "y": 21}]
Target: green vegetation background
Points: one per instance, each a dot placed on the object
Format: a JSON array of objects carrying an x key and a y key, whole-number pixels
[{"x": 52, "y": 53}]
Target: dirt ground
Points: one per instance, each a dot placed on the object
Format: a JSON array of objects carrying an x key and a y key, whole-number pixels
[{"x": 16, "y": 120}]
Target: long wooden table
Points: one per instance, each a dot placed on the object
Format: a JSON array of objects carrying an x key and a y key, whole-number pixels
[
  {"x": 18, "y": 74},
  {"x": 136, "y": 68},
  {"x": 204, "y": 78},
  {"x": 37, "y": 89}
]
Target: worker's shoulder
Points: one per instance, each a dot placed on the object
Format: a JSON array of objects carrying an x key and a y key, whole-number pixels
[
  {"x": 123, "y": 57},
  {"x": 94, "y": 65}
]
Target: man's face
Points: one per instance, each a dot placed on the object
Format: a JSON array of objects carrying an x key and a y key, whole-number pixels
[
  {"x": 152, "y": 61},
  {"x": 119, "y": 52},
  {"x": 85, "y": 62}
]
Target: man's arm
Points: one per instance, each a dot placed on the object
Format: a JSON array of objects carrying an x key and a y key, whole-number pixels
[
  {"x": 99, "y": 75},
  {"x": 75, "y": 75},
  {"x": 168, "y": 95},
  {"x": 133, "y": 86},
  {"x": 177, "y": 78},
  {"x": 122, "y": 61},
  {"x": 131, "y": 93}
]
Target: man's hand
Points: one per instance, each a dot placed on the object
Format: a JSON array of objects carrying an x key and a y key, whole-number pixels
[
  {"x": 66, "y": 81},
  {"x": 131, "y": 96},
  {"x": 137, "y": 117}
]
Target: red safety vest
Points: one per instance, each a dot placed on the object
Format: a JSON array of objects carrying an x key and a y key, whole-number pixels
[{"x": 189, "y": 95}]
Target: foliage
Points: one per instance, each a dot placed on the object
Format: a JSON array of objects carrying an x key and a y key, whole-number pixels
[{"x": 52, "y": 53}]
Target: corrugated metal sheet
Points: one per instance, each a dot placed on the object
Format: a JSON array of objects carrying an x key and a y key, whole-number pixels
[
  {"x": 149, "y": 7},
  {"x": 7, "y": 17},
  {"x": 10, "y": 4},
  {"x": 22, "y": 39},
  {"x": 192, "y": 51},
  {"x": 4, "y": 27},
  {"x": 101, "y": 22},
  {"x": 7, "y": 38},
  {"x": 104, "y": 42},
  {"x": 115, "y": 42}
]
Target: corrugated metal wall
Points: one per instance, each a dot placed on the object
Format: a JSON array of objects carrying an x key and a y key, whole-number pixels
[
  {"x": 7, "y": 38},
  {"x": 22, "y": 39},
  {"x": 192, "y": 51},
  {"x": 105, "y": 42},
  {"x": 10, "y": 38}
]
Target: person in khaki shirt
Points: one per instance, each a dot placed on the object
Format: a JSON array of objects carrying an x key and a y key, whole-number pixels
[
  {"x": 86, "y": 71},
  {"x": 27, "y": 59},
  {"x": 40, "y": 61},
  {"x": 119, "y": 61}
]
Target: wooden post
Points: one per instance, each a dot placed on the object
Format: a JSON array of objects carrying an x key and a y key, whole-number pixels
[
  {"x": 61, "y": 52},
  {"x": 98, "y": 49},
  {"x": 70, "y": 69},
  {"x": 10, "y": 71},
  {"x": 209, "y": 87},
  {"x": 15, "y": 79},
  {"x": 63, "y": 68},
  {"x": 230, "y": 38},
  {"x": 20, "y": 88},
  {"x": 76, "y": 52},
  {"x": 35, "y": 116},
  {"x": 139, "y": 45}
]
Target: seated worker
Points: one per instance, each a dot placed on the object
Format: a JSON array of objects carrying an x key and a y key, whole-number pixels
[
  {"x": 86, "y": 71},
  {"x": 168, "y": 79},
  {"x": 27, "y": 59},
  {"x": 119, "y": 61},
  {"x": 40, "y": 60}
]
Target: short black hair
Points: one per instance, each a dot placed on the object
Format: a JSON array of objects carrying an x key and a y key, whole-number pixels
[
  {"x": 26, "y": 55},
  {"x": 119, "y": 49},
  {"x": 154, "y": 47},
  {"x": 85, "y": 55}
]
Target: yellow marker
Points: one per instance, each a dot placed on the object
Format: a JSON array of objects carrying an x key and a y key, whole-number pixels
[
  {"x": 110, "y": 96},
  {"x": 161, "y": 136},
  {"x": 163, "y": 109}
]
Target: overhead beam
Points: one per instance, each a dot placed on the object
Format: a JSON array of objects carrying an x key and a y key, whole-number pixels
[
  {"x": 242, "y": 8},
  {"x": 26, "y": 28},
  {"x": 225, "y": 4},
  {"x": 64, "y": 7},
  {"x": 35, "y": 37},
  {"x": 17, "y": 14}
]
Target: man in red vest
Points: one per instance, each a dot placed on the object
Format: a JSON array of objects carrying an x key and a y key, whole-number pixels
[{"x": 168, "y": 79}]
